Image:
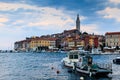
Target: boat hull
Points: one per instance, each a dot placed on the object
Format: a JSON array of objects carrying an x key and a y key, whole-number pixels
[
  {"x": 69, "y": 65},
  {"x": 93, "y": 73},
  {"x": 116, "y": 61},
  {"x": 92, "y": 70},
  {"x": 69, "y": 62}
]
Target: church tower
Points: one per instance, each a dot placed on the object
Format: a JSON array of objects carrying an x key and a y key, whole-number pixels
[{"x": 78, "y": 23}]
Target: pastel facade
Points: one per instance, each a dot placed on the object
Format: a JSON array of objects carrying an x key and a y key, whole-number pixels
[
  {"x": 112, "y": 39},
  {"x": 39, "y": 42},
  {"x": 22, "y": 45},
  {"x": 32, "y": 44},
  {"x": 91, "y": 40}
]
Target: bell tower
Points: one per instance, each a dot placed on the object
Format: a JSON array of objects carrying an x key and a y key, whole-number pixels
[{"x": 78, "y": 23}]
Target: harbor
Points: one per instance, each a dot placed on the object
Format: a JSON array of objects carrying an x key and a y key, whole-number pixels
[
  {"x": 47, "y": 66},
  {"x": 59, "y": 40}
]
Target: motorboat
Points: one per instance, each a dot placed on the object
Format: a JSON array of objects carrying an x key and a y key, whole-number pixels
[
  {"x": 95, "y": 51},
  {"x": 72, "y": 56},
  {"x": 85, "y": 65},
  {"x": 116, "y": 60}
]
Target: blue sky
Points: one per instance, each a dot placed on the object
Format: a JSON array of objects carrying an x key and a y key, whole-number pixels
[{"x": 25, "y": 18}]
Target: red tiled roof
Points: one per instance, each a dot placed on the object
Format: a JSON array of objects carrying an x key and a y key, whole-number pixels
[
  {"x": 22, "y": 41},
  {"x": 52, "y": 39},
  {"x": 112, "y": 33}
]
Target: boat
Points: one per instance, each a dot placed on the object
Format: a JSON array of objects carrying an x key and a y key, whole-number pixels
[
  {"x": 116, "y": 60},
  {"x": 85, "y": 65},
  {"x": 95, "y": 51},
  {"x": 72, "y": 56}
]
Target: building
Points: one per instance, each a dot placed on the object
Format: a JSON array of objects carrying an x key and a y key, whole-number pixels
[
  {"x": 80, "y": 43},
  {"x": 22, "y": 45},
  {"x": 112, "y": 39},
  {"x": 91, "y": 40},
  {"x": 78, "y": 23},
  {"x": 39, "y": 44},
  {"x": 52, "y": 42}
]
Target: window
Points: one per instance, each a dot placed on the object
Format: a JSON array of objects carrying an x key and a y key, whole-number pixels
[
  {"x": 75, "y": 56},
  {"x": 70, "y": 56}
]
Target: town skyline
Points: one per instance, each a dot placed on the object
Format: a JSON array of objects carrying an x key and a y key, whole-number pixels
[{"x": 25, "y": 18}]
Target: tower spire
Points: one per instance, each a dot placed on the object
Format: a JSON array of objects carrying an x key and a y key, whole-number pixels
[{"x": 78, "y": 23}]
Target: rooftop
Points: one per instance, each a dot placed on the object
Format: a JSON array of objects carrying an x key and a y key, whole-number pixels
[{"x": 112, "y": 33}]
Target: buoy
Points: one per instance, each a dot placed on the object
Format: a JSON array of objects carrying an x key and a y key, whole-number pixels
[
  {"x": 81, "y": 78},
  {"x": 57, "y": 71},
  {"x": 52, "y": 67}
]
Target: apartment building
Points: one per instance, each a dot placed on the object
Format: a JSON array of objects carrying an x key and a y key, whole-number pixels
[{"x": 112, "y": 39}]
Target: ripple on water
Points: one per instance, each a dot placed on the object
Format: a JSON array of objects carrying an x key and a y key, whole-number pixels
[{"x": 30, "y": 66}]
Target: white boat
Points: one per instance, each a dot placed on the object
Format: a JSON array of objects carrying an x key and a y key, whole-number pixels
[
  {"x": 95, "y": 51},
  {"x": 72, "y": 56}
]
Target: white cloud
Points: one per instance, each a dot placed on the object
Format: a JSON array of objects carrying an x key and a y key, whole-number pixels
[
  {"x": 90, "y": 28},
  {"x": 3, "y": 19},
  {"x": 115, "y": 1},
  {"x": 15, "y": 6},
  {"x": 18, "y": 22},
  {"x": 46, "y": 15},
  {"x": 51, "y": 20},
  {"x": 2, "y": 25},
  {"x": 109, "y": 13},
  {"x": 83, "y": 17}
]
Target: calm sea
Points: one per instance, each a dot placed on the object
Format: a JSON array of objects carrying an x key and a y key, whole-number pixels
[{"x": 38, "y": 66}]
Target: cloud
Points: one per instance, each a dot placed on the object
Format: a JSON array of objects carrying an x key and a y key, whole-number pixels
[
  {"x": 18, "y": 22},
  {"x": 15, "y": 6},
  {"x": 83, "y": 17},
  {"x": 1, "y": 24},
  {"x": 3, "y": 19},
  {"x": 52, "y": 20},
  {"x": 90, "y": 28},
  {"x": 115, "y": 1},
  {"x": 110, "y": 13}
]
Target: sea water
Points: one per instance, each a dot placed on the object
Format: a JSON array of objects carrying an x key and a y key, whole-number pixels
[{"x": 44, "y": 66}]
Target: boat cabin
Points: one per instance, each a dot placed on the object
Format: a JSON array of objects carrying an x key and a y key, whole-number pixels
[{"x": 73, "y": 55}]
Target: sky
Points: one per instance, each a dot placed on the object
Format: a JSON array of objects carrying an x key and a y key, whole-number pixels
[{"x": 25, "y": 18}]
